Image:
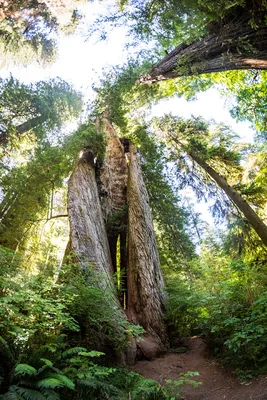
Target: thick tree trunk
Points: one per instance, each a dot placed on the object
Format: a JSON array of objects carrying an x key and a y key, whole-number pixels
[
  {"x": 236, "y": 45},
  {"x": 98, "y": 217},
  {"x": 144, "y": 277},
  {"x": 88, "y": 238}
]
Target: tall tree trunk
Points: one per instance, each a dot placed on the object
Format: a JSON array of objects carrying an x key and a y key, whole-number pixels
[
  {"x": 88, "y": 238},
  {"x": 144, "y": 277},
  {"x": 253, "y": 219},
  {"x": 235, "y": 45},
  {"x": 98, "y": 212}
]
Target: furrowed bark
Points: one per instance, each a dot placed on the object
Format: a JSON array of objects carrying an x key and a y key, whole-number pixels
[
  {"x": 88, "y": 238},
  {"x": 113, "y": 174},
  {"x": 145, "y": 281},
  {"x": 112, "y": 185},
  {"x": 236, "y": 45}
]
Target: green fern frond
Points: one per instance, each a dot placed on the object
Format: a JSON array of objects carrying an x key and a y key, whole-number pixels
[
  {"x": 91, "y": 386},
  {"x": 54, "y": 381},
  {"x": 25, "y": 369},
  {"x": 50, "y": 394},
  {"x": 47, "y": 362},
  {"x": 19, "y": 393},
  {"x": 72, "y": 352},
  {"x": 92, "y": 353},
  {"x": 50, "y": 383},
  {"x": 11, "y": 396},
  {"x": 65, "y": 380}
]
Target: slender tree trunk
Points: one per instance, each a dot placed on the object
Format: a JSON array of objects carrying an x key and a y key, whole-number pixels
[
  {"x": 23, "y": 128},
  {"x": 235, "y": 45},
  {"x": 145, "y": 282},
  {"x": 254, "y": 220}
]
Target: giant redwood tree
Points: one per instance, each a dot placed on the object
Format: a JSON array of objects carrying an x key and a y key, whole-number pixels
[
  {"x": 111, "y": 230},
  {"x": 200, "y": 37},
  {"x": 238, "y": 41}
]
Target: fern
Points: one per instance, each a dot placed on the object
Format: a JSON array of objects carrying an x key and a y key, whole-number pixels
[
  {"x": 73, "y": 352},
  {"x": 19, "y": 393},
  {"x": 98, "y": 388},
  {"x": 47, "y": 362},
  {"x": 92, "y": 353},
  {"x": 66, "y": 381},
  {"x": 24, "y": 369},
  {"x": 54, "y": 381},
  {"x": 50, "y": 394},
  {"x": 50, "y": 383}
]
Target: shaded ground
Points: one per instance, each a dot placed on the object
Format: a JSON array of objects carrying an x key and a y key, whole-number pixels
[{"x": 217, "y": 382}]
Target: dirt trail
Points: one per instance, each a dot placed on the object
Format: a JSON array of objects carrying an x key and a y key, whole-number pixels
[{"x": 217, "y": 382}]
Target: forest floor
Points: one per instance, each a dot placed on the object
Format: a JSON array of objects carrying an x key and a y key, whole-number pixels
[{"x": 217, "y": 382}]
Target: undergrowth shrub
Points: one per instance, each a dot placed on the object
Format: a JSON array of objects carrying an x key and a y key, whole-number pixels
[
  {"x": 183, "y": 310},
  {"x": 103, "y": 325},
  {"x": 234, "y": 320},
  {"x": 74, "y": 374}
]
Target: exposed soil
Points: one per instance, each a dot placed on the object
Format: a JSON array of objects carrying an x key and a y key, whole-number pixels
[{"x": 217, "y": 382}]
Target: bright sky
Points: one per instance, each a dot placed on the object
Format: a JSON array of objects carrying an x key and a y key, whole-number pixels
[{"x": 81, "y": 62}]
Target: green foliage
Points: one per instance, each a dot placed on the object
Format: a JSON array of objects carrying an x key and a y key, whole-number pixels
[
  {"x": 119, "y": 93},
  {"x": 24, "y": 369},
  {"x": 232, "y": 301},
  {"x": 33, "y": 312},
  {"x": 170, "y": 23},
  {"x": 247, "y": 89},
  {"x": 174, "y": 245},
  {"x": 140, "y": 388},
  {"x": 74, "y": 374},
  {"x": 29, "y": 30},
  {"x": 42, "y": 107},
  {"x": 101, "y": 321},
  {"x": 183, "y": 310},
  {"x": 31, "y": 187}
]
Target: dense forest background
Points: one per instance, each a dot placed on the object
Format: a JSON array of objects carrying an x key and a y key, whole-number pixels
[{"x": 88, "y": 282}]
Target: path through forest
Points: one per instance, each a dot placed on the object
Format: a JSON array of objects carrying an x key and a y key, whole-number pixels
[{"x": 217, "y": 382}]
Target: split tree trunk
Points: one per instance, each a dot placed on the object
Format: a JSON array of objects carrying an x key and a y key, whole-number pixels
[
  {"x": 98, "y": 218},
  {"x": 145, "y": 282},
  {"x": 88, "y": 238},
  {"x": 236, "y": 45}
]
